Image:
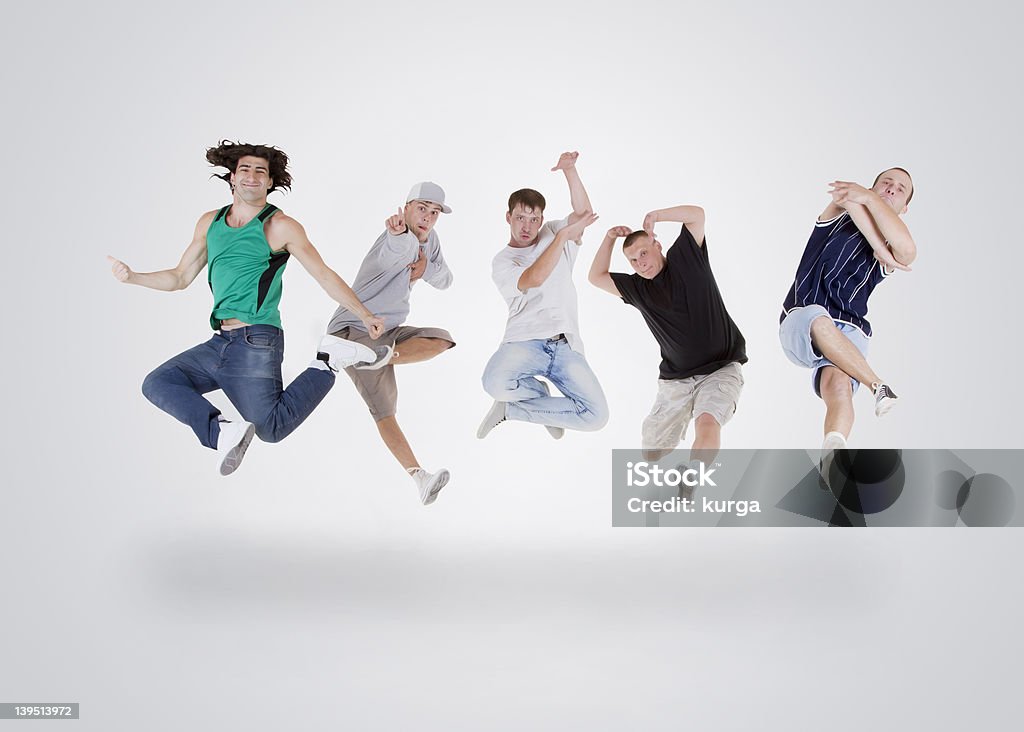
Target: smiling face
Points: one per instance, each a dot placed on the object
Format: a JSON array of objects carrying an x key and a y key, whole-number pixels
[
  {"x": 525, "y": 224},
  {"x": 420, "y": 217},
  {"x": 895, "y": 188},
  {"x": 645, "y": 257},
  {"x": 251, "y": 179}
]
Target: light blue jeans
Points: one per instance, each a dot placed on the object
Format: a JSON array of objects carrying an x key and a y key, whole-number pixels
[{"x": 511, "y": 376}]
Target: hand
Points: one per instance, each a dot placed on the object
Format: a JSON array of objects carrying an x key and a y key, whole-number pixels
[
  {"x": 374, "y": 326},
  {"x": 565, "y": 161},
  {"x": 417, "y": 268},
  {"x": 396, "y": 223},
  {"x": 616, "y": 231},
  {"x": 887, "y": 260},
  {"x": 843, "y": 191},
  {"x": 649, "y": 221},
  {"x": 573, "y": 232},
  {"x": 120, "y": 270}
]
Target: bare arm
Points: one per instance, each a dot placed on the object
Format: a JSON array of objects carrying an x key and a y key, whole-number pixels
[
  {"x": 537, "y": 273},
  {"x": 577, "y": 193},
  {"x": 599, "y": 275},
  {"x": 690, "y": 216},
  {"x": 191, "y": 264},
  {"x": 888, "y": 222},
  {"x": 864, "y": 222},
  {"x": 289, "y": 234}
]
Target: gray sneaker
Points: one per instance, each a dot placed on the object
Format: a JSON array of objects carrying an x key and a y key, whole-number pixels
[
  {"x": 885, "y": 398},
  {"x": 493, "y": 418},
  {"x": 232, "y": 442},
  {"x": 430, "y": 484}
]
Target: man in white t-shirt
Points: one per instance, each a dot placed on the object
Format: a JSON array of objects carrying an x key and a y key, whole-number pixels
[{"x": 542, "y": 338}]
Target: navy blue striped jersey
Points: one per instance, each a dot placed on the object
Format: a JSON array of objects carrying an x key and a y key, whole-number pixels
[{"x": 837, "y": 271}]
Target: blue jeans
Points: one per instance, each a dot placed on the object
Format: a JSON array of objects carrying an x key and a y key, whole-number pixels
[
  {"x": 510, "y": 376},
  {"x": 246, "y": 364}
]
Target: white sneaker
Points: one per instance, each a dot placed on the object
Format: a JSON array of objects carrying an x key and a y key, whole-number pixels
[
  {"x": 430, "y": 484},
  {"x": 232, "y": 442},
  {"x": 338, "y": 353},
  {"x": 885, "y": 398},
  {"x": 384, "y": 356},
  {"x": 493, "y": 418},
  {"x": 833, "y": 441}
]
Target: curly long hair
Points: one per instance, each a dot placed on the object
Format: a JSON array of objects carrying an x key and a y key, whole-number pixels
[{"x": 228, "y": 153}]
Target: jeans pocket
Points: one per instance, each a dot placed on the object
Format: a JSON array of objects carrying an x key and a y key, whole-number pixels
[{"x": 262, "y": 340}]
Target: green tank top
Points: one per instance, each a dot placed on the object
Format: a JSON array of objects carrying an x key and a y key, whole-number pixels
[{"x": 243, "y": 272}]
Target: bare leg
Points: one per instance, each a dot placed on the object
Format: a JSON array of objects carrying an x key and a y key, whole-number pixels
[
  {"x": 395, "y": 440},
  {"x": 654, "y": 454},
  {"x": 837, "y": 348},
  {"x": 837, "y": 393},
  {"x": 707, "y": 440},
  {"x": 415, "y": 350}
]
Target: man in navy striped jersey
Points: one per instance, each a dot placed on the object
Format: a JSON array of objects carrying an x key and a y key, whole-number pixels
[{"x": 858, "y": 241}]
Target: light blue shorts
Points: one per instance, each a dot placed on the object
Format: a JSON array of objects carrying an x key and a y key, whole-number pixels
[{"x": 795, "y": 336}]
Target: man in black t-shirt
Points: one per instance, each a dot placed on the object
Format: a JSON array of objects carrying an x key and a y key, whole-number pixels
[{"x": 701, "y": 347}]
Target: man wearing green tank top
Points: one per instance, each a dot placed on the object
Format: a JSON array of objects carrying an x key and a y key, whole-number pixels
[{"x": 245, "y": 246}]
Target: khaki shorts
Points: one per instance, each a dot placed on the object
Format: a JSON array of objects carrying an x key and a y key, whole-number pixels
[
  {"x": 378, "y": 388},
  {"x": 679, "y": 400}
]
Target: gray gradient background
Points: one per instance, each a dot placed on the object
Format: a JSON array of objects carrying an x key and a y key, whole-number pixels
[{"x": 311, "y": 589}]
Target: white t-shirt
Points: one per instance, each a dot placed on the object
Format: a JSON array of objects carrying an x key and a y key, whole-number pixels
[{"x": 546, "y": 310}]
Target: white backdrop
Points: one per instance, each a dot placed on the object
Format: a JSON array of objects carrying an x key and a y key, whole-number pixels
[{"x": 146, "y": 587}]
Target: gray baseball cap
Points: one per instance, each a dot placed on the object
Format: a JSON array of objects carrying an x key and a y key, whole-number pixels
[{"x": 430, "y": 192}]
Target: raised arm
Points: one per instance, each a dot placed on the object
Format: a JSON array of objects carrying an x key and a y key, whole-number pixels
[
  {"x": 897, "y": 238},
  {"x": 577, "y": 193},
  {"x": 537, "y": 273},
  {"x": 288, "y": 233},
  {"x": 191, "y": 264},
  {"x": 690, "y": 216},
  {"x": 599, "y": 275}
]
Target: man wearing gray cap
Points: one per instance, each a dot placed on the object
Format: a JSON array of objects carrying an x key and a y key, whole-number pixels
[{"x": 407, "y": 251}]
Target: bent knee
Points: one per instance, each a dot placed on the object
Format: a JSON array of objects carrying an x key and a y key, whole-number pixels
[
  {"x": 822, "y": 323},
  {"x": 498, "y": 386},
  {"x": 835, "y": 384},
  {"x": 270, "y": 437},
  {"x": 706, "y": 421},
  {"x": 267, "y": 433},
  {"x": 594, "y": 417},
  {"x": 151, "y": 385}
]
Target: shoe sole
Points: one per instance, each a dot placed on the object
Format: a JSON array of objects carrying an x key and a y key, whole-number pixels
[
  {"x": 885, "y": 408},
  {"x": 355, "y": 352},
  {"x": 556, "y": 432},
  {"x": 377, "y": 364},
  {"x": 234, "y": 457},
  {"x": 486, "y": 426},
  {"x": 442, "y": 481}
]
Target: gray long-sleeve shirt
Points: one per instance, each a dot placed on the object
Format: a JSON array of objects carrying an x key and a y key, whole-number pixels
[{"x": 382, "y": 283}]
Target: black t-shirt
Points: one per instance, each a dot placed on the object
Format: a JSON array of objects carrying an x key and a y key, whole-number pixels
[{"x": 684, "y": 310}]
